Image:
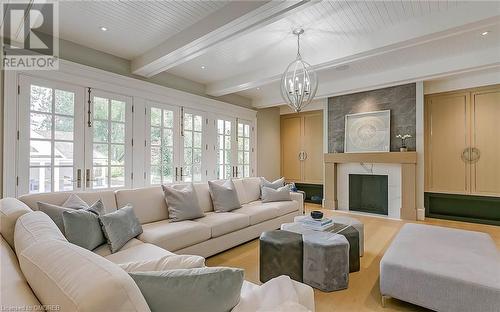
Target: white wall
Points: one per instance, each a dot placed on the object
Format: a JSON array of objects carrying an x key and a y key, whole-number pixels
[
  {"x": 269, "y": 143},
  {"x": 420, "y": 176},
  {"x": 86, "y": 56},
  {"x": 473, "y": 79}
]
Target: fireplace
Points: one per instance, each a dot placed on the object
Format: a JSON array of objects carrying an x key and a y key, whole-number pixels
[{"x": 369, "y": 193}]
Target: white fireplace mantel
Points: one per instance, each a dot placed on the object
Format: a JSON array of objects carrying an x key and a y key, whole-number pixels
[{"x": 407, "y": 161}]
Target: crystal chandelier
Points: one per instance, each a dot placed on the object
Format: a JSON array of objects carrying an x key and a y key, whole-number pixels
[{"x": 299, "y": 82}]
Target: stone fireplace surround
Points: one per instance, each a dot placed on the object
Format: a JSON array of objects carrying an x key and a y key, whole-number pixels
[
  {"x": 393, "y": 173},
  {"x": 400, "y": 167}
]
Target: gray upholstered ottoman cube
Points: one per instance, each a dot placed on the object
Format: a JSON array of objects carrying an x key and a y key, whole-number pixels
[
  {"x": 358, "y": 225},
  {"x": 326, "y": 261},
  {"x": 352, "y": 236},
  {"x": 355, "y": 223},
  {"x": 281, "y": 253}
]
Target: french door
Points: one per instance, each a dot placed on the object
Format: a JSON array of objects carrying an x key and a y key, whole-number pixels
[
  {"x": 194, "y": 146},
  {"x": 234, "y": 148},
  {"x": 176, "y": 144},
  {"x": 51, "y": 135},
  {"x": 67, "y": 144},
  {"x": 109, "y": 143}
]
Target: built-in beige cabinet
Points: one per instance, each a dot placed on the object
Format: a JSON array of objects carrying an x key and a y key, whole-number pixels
[
  {"x": 302, "y": 147},
  {"x": 462, "y": 144}
]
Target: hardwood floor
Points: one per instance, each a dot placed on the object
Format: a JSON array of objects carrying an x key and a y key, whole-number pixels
[{"x": 363, "y": 293}]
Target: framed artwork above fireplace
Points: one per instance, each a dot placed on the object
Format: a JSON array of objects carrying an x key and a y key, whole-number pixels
[{"x": 367, "y": 132}]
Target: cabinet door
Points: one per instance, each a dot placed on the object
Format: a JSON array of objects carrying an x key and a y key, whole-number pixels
[
  {"x": 313, "y": 147},
  {"x": 291, "y": 137},
  {"x": 485, "y": 129},
  {"x": 447, "y": 138}
]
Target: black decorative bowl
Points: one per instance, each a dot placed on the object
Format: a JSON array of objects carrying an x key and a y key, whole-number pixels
[{"x": 316, "y": 215}]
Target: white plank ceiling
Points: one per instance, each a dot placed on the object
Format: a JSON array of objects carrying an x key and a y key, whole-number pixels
[
  {"x": 133, "y": 26},
  {"x": 370, "y": 36}
]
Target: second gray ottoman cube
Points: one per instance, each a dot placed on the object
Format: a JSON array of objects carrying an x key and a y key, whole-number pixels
[
  {"x": 281, "y": 253},
  {"x": 326, "y": 261}
]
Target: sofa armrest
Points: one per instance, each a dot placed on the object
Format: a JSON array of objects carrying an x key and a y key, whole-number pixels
[
  {"x": 305, "y": 294},
  {"x": 298, "y": 198}
]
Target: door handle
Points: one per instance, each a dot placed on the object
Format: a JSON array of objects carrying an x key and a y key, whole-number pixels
[
  {"x": 302, "y": 155},
  {"x": 79, "y": 178},
  {"x": 471, "y": 155},
  {"x": 176, "y": 173},
  {"x": 87, "y": 178},
  {"x": 182, "y": 174}
]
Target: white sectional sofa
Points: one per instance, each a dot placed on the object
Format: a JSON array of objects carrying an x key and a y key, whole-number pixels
[
  {"x": 205, "y": 236},
  {"x": 40, "y": 267}
]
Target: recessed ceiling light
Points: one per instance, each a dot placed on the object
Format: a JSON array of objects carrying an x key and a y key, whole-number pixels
[
  {"x": 102, "y": 28},
  {"x": 203, "y": 67},
  {"x": 258, "y": 88},
  {"x": 484, "y": 33}
]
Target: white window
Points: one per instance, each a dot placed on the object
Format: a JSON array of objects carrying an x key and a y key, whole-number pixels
[
  {"x": 59, "y": 150},
  {"x": 109, "y": 141},
  {"x": 234, "y": 148},
  {"x": 66, "y": 139},
  {"x": 244, "y": 162},
  {"x": 162, "y": 137},
  {"x": 177, "y": 149},
  {"x": 225, "y": 137},
  {"x": 50, "y": 136},
  {"x": 194, "y": 146}
]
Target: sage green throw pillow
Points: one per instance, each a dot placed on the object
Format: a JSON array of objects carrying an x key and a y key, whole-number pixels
[
  {"x": 213, "y": 289},
  {"x": 119, "y": 227},
  {"x": 224, "y": 197},
  {"x": 182, "y": 202},
  {"x": 55, "y": 212},
  {"x": 82, "y": 226}
]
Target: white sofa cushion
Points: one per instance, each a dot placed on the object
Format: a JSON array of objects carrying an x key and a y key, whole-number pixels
[
  {"x": 10, "y": 210},
  {"x": 58, "y": 198},
  {"x": 252, "y": 188},
  {"x": 104, "y": 249},
  {"x": 174, "y": 235},
  {"x": 204, "y": 198},
  {"x": 240, "y": 190},
  {"x": 33, "y": 228},
  {"x": 172, "y": 262},
  {"x": 78, "y": 280},
  {"x": 283, "y": 207},
  {"x": 148, "y": 202},
  {"x": 257, "y": 212},
  {"x": 224, "y": 222},
  {"x": 134, "y": 250},
  {"x": 14, "y": 290}
]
